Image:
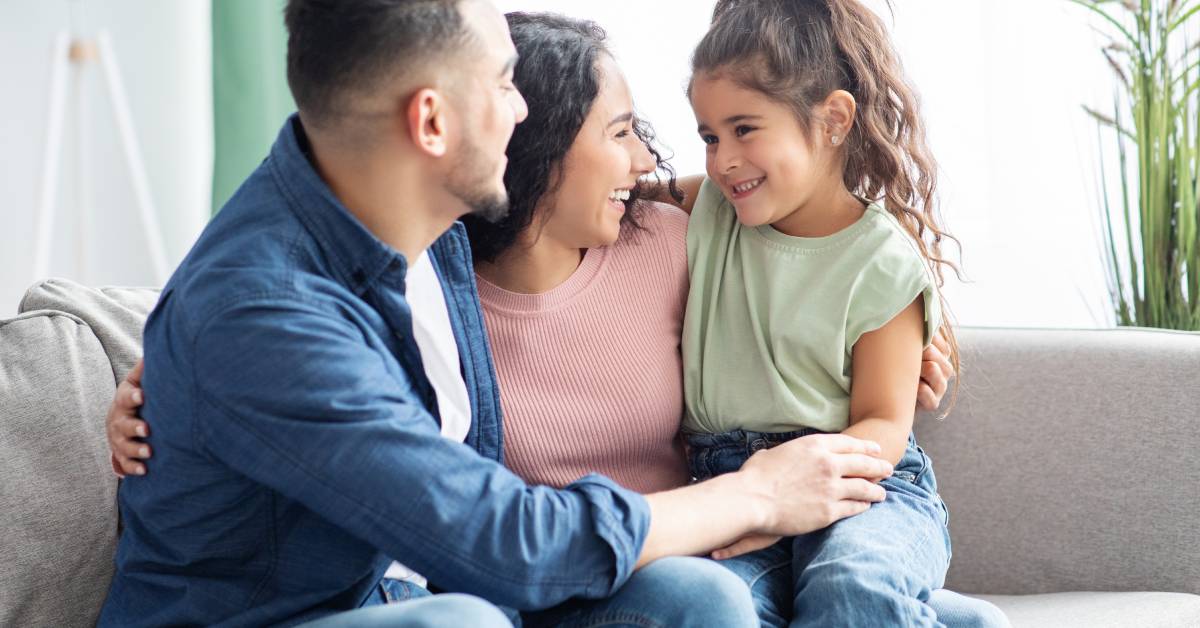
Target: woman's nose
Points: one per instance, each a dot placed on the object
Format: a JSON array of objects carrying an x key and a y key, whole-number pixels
[{"x": 643, "y": 162}]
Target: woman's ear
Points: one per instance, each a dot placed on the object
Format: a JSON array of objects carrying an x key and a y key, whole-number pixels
[
  {"x": 427, "y": 118},
  {"x": 840, "y": 109}
]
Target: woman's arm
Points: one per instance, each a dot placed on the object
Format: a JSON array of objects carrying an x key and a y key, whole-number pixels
[
  {"x": 125, "y": 428},
  {"x": 936, "y": 372},
  {"x": 689, "y": 185},
  {"x": 886, "y": 364}
]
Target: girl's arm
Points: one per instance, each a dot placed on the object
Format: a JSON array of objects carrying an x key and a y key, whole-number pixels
[
  {"x": 689, "y": 185},
  {"x": 883, "y": 394}
]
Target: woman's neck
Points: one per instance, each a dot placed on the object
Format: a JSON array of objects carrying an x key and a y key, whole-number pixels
[{"x": 532, "y": 268}]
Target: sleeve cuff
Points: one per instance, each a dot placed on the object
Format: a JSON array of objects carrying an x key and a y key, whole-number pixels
[{"x": 622, "y": 519}]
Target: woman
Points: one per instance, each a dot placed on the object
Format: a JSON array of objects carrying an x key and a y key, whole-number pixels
[{"x": 583, "y": 288}]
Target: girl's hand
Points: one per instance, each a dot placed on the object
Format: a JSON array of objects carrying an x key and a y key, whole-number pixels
[
  {"x": 124, "y": 428},
  {"x": 745, "y": 545},
  {"x": 936, "y": 372}
]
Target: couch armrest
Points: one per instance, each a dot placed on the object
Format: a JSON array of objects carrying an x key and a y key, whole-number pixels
[{"x": 1072, "y": 461}]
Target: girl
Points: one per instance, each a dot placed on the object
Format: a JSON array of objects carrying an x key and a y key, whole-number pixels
[{"x": 814, "y": 258}]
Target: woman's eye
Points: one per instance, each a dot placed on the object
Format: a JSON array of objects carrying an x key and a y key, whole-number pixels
[
  {"x": 624, "y": 133},
  {"x": 742, "y": 130}
]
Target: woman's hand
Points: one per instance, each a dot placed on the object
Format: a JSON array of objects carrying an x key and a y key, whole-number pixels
[
  {"x": 125, "y": 429},
  {"x": 936, "y": 372}
]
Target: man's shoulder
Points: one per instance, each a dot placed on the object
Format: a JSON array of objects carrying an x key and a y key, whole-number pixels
[{"x": 250, "y": 257}]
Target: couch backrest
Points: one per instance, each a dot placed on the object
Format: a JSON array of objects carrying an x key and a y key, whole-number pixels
[
  {"x": 1072, "y": 461},
  {"x": 59, "y": 364}
]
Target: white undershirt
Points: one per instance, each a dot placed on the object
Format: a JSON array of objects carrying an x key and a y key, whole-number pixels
[{"x": 439, "y": 356}]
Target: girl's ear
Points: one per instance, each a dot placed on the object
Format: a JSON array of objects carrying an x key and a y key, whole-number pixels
[{"x": 840, "y": 109}]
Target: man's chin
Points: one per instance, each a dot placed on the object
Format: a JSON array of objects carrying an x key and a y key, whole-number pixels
[{"x": 490, "y": 209}]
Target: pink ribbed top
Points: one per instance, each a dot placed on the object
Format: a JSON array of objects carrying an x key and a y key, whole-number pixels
[{"x": 590, "y": 372}]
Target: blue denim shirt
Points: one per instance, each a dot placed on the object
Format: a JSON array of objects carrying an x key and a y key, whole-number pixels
[{"x": 296, "y": 440}]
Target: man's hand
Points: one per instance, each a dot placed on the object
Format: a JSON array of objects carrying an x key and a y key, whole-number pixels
[
  {"x": 936, "y": 372},
  {"x": 797, "y": 487},
  {"x": 810, "y": 482},
  {"x": 125, "y": 429},
  {"x": 745, "y": 545}
]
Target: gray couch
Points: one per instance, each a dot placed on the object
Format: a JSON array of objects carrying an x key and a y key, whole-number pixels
[{"x": 1070, "y": 466}]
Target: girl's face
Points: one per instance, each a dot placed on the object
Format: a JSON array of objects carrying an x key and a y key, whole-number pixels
[
  {"x": 765, "y": 163},
  {"x": 600, "y": 169}
]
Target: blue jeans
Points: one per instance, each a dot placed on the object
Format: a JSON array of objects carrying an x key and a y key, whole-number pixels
[
  {"x": 674, "y": 592},
  {"x": 396, "y": 604},
  {"x": 879, "y": 568}
]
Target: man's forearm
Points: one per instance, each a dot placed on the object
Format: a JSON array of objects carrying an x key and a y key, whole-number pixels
[{"x": 700, "y": 518}]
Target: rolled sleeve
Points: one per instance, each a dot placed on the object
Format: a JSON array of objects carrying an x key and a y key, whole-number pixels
[{"x": 316, "y": 408}]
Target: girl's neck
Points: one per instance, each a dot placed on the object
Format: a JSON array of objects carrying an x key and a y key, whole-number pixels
[
  {"x": 532, "y": 268},
  {"x": 822, "y": 214}
]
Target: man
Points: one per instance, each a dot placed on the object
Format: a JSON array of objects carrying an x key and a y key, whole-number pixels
[{"x": 306, "y": 431}]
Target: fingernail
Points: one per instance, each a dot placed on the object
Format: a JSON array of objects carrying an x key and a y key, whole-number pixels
[
  {"x": 141, "y": 430},
  {"x": 140, "y": 471},
  {"x": 144, "y": 452},
  {"x": 137, "y": 397}
]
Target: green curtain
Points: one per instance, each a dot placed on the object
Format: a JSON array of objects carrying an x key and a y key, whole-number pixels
[{"x": 250, "y": 93}]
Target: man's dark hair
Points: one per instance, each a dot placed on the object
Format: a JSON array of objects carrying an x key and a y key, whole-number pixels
[{"x": 338, "y": 49}]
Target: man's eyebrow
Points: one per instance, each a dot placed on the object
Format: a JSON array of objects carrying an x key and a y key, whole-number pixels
[
  {"x": 508, "y": 67},
  {"x": 622, "y": 119}
]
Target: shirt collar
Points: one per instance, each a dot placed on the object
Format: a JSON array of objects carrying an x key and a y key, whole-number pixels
[{"x": 357, "y": 256}]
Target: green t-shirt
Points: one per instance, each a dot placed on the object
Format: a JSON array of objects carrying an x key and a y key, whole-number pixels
[{"x": 772, "y": 319}]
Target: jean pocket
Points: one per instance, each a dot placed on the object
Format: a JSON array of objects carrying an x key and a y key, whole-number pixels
[{"x": 913, "y": 465}]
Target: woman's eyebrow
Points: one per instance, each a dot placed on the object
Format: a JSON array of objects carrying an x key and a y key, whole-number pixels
[{"x": 622, "y": 119}]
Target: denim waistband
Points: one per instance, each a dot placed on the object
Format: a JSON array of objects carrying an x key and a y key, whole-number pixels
[{"x": 753, "y": 441}]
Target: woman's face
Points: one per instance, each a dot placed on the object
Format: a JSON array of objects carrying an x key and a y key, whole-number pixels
[{"x": 600, "y": 169}]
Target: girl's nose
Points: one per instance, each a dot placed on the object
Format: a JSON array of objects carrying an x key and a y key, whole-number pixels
[{"x": 727, "y": 161}]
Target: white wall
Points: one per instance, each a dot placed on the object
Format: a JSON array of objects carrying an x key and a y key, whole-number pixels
[
  {"x": 164, "y": 52},
  {"x": 1002, "y": 83}
]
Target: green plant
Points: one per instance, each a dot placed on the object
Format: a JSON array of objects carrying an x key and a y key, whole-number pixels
[{"x": 1151, "y": 247}]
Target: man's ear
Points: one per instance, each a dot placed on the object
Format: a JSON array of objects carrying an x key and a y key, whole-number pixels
[
  {"x": 427, "y": 120},
  {"x": 840, "y": 109}
]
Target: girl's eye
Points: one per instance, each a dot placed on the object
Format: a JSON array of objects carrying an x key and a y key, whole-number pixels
[
  {"x": 708, "y": 139},
  {"x": 743, "y": 130},
  {"x": 624, "y": 133}
]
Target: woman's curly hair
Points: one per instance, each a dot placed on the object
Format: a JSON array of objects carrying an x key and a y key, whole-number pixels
[{"x": 557, "y": 73}]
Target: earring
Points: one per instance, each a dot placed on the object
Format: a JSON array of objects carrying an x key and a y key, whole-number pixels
[{"x": 836, "y": 140}]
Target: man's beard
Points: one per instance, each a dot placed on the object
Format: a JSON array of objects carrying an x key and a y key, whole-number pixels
[{"x": 471, "y": 182}]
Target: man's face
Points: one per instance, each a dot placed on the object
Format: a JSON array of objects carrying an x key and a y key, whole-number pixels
[{"x": 490, "y": 108}]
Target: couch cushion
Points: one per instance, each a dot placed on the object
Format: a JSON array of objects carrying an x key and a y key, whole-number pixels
[
  {"x": 116, "y": 315},
  {"x": 58, "y": 502},
  {"x": 1100, "y": 610},
  {"x": 57, "y": 510},
  {"x": 1070, "y": 463}
]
